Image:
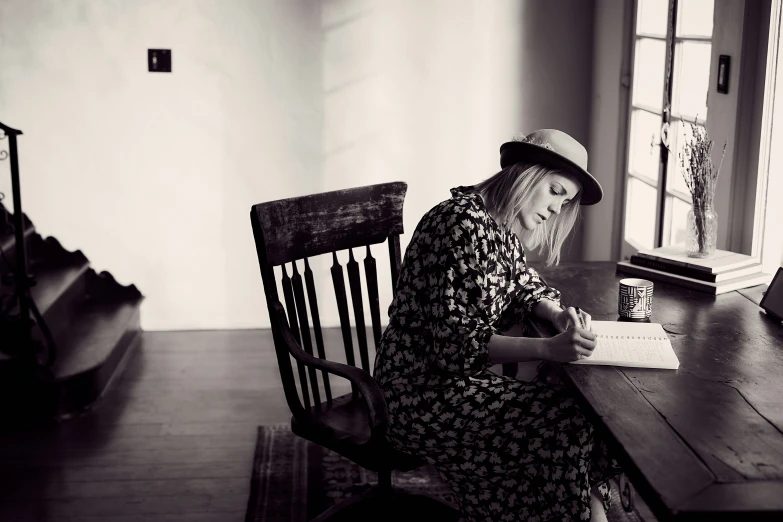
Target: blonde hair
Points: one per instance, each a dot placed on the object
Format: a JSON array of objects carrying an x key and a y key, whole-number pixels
[{"x": 506, "y": 192}]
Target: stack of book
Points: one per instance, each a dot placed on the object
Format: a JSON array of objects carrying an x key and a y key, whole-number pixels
[{"x": 722, "y": 272}]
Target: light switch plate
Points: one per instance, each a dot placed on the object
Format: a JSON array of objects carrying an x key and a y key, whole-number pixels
[{"x": 159, "y": 60}]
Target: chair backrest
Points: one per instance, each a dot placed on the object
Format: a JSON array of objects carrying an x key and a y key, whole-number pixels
[{"x": 301, "y": 228}]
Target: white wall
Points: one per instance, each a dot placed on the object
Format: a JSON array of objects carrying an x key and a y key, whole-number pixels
[{"x": 152, "y": 175}]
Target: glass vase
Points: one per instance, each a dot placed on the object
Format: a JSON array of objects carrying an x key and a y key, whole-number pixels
[{"x": 702, "y": 231}]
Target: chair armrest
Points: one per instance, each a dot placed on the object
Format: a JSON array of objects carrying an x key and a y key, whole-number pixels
[{"x": 364, "y": 382}]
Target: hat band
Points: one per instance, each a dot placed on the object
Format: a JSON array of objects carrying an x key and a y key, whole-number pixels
[{"x": 535, "y": 140}]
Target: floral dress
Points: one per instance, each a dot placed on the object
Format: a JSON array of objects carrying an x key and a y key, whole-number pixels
[{"x": 509, "y": 449}]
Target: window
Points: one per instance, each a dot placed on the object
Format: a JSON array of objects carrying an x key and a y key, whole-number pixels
[
  {"x": 666, "y": 36},
  {"x": 672, "y": 53}
]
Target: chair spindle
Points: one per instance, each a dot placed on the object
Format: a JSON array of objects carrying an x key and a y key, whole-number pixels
[
  {"x": 371, "y": 273},
  {"x": 342, "y": 308},
  {"x": 354, "y": 279},
  {"x": 319, "y": 340},
  {"x": 304, "y": 323},
  {"x": 290, "y": 308},
  {"x": 286, "y": 368}
]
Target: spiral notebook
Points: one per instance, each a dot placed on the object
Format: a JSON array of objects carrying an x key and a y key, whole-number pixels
[{"x": 638, "y": 345}]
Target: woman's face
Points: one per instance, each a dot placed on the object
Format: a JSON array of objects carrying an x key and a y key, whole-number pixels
[{"x": 548, "y": 198}]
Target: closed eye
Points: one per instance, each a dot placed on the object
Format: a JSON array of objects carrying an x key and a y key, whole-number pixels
[{"x": 556, "y": 193}]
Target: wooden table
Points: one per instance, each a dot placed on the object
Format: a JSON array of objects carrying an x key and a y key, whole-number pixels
[{"x": 704, "y": 442}]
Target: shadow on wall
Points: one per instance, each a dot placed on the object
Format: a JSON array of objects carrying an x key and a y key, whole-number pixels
[{"x": 555, "y": 85}]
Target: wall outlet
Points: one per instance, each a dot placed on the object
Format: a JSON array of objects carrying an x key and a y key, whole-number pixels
[{"x": 159, "y": 60}]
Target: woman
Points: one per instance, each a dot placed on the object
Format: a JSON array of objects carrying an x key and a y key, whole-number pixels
[{"x": 509, "y": 449}]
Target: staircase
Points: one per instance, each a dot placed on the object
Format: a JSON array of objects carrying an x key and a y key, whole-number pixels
[{"x": 92, "y": 319}]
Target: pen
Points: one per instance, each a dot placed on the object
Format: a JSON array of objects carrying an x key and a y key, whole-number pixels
[{"x": 581, "y": 320}]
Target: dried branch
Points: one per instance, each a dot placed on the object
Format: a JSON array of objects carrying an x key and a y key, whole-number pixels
[{"x": 698, "y": 170}]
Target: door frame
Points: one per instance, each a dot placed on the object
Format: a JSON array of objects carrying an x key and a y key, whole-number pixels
[{"x": 768, "y": 216}]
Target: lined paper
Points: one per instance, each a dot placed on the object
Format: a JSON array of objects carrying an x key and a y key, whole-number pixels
[{"x": 639, "y": 345}]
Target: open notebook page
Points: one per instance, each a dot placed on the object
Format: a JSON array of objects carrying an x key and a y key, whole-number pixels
[{"x": 640, "y": 345}]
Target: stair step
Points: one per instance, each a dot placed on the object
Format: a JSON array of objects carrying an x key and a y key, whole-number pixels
[
  {"x": 8, "y": 243},
  {"x": 55, "y": 282},
  {"x": 7, "y": 235},
  {"x": 93, "y": 354},
  {"x": 93, "y": 351},
  {"x": 55, "y": 279},
  {"x": 95, "y": 324},
  {"x": 101, "y": 325}
]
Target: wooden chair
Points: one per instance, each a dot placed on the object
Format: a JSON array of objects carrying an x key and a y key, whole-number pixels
[{"x": 353, "y": 425}]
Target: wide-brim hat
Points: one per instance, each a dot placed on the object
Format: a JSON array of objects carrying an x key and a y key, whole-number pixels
[{"x": 554, "y": 149}]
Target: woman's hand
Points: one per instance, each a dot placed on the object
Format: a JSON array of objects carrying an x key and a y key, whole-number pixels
[
  {"x": 570, "y": 317},
  {"x": 571, "y": 345}
]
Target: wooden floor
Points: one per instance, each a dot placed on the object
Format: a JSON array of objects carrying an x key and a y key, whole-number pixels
[{"x": 172, "y": 440}]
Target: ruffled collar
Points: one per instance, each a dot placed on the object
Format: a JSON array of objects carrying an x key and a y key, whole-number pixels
[{"x": 465, "y": 191}]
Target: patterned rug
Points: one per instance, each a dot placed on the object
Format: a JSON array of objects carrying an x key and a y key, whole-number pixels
[{"x": 295, "y": 480}]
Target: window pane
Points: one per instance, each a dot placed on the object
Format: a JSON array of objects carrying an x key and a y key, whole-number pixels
[
  {"x": 645, "y": 153},
  {"x": 691, "y": 79},
  {"x": 680, "y": 133},
  {"x": 695, "y": 18},
  {"x": 640, "y": 202},
  {"x": 679, "y": 211},
  {"x": 648, "y": 72},
  {"x": 652, "y": 16}
]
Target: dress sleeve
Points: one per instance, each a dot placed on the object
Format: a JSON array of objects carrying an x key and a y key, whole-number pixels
[
  {"x": 533, "y": 289},
  {"x": 455, "y": 299}
]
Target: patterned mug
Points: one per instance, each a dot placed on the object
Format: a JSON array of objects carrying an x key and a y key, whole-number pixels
[{"x": 635, "y": 303}]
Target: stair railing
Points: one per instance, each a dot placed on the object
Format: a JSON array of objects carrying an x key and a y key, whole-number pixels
[{"x": 23, "y": 281}]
